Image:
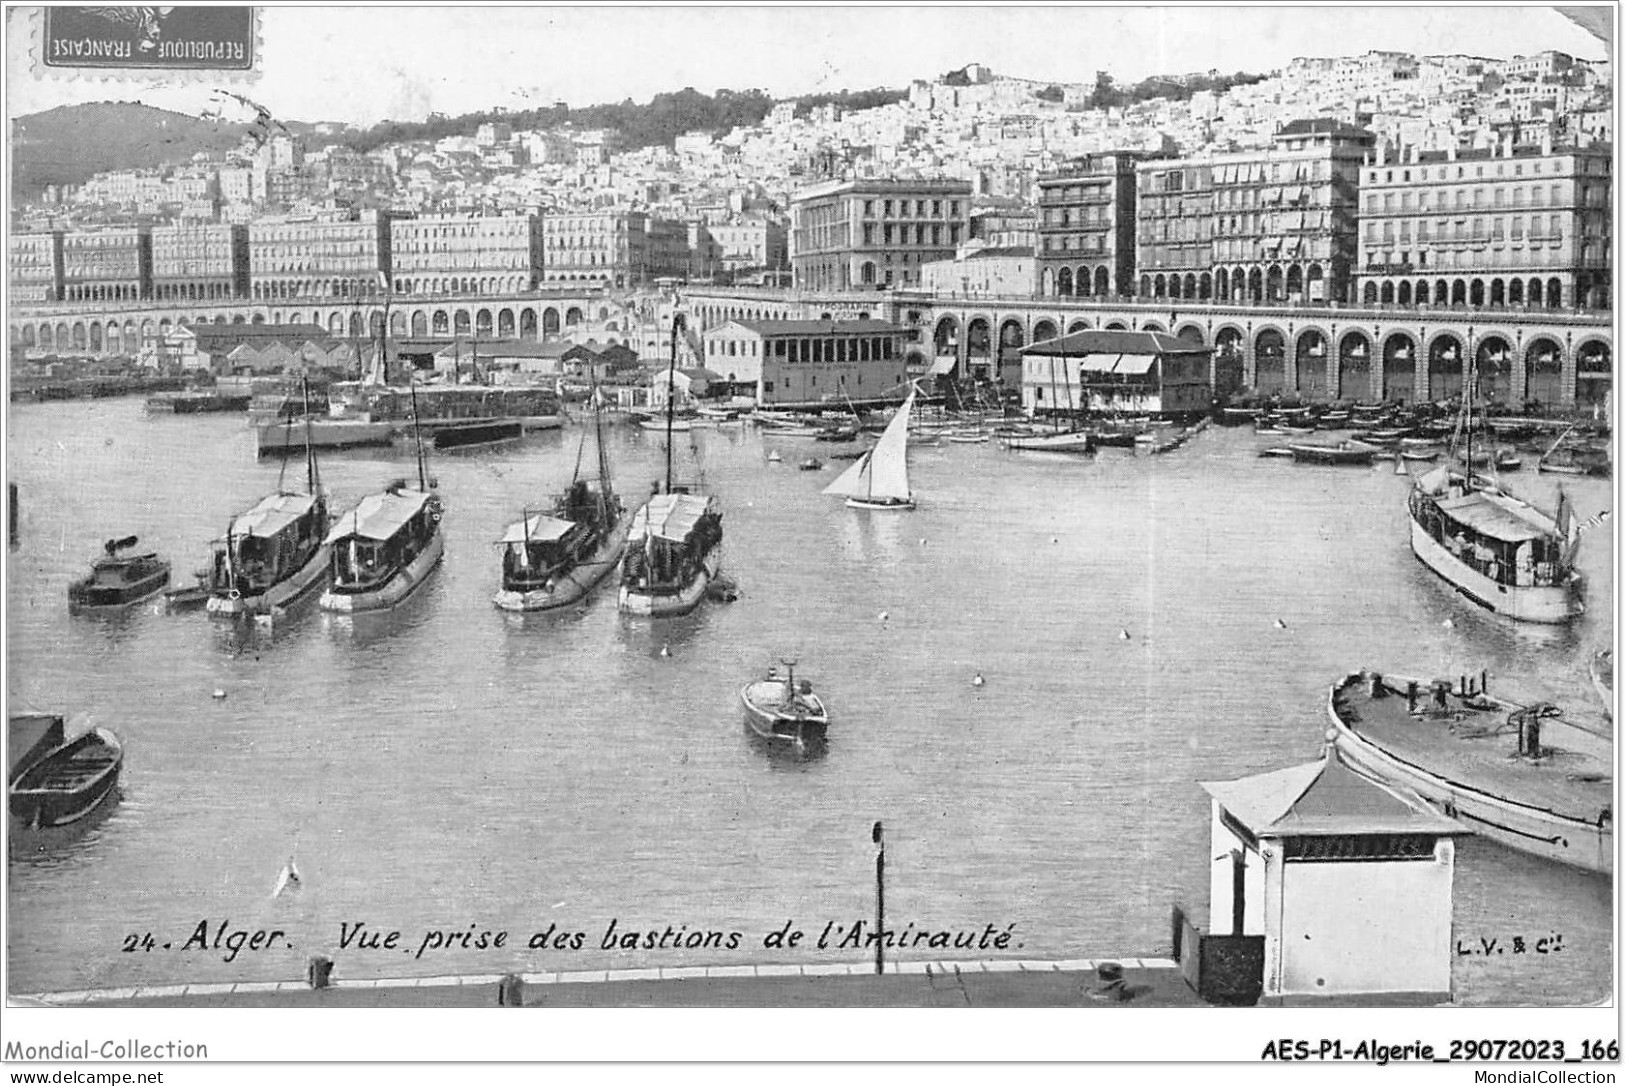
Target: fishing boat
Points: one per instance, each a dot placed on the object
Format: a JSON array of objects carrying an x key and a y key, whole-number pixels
[
  {"x": 1497, "y": 550},
  {"x": 879, "y": 478},
  {"x": 553, "y": 560},
  {"x": 118, "y": 580},
  {"x": 385, "y": 548},
  {"x": 673, "y": 551},
  {"x": 781, "y": 708},
  {"x": 1344, "y": 452},
  {"x": 68, "y": 783},
  {"x": 1526, "y": 776},
  {"x": 274, "y": 553}
]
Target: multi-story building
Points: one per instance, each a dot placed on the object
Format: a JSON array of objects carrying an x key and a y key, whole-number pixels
[
  {"x": 1086, "y": 226},
  {"x": 1502, "y": 226},
  {"x": 748, "y": 244},
  {"x": 875, "y": 233},
  {"x": 466, "y": 254},
  {"x": 607, "y": 248},
  {"x": 809, "y": 361},
  {"x": 36, "y": 267},
  {"x": 665, "y": 250},
  {"x": 196, "y": 262},
  {"x": 318, "y": 259},
  {"x": 113, "y": 265},
  {"x": 1271, "y": 225}
]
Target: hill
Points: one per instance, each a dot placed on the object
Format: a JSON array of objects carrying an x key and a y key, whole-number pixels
[{"x": 68, "y": 144}]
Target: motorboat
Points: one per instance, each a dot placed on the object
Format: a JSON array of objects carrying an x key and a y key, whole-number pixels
[
  {"x": 118, "y": 580},
  {"x": 780, "y": 707}
]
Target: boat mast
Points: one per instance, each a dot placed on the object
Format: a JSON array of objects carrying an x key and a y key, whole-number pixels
[
  {"x": 417, "y": 434},
  {"x": 312, "y": 476},
  {"x": 671, "y": 391},
  {"x": 606, "y": 490}
]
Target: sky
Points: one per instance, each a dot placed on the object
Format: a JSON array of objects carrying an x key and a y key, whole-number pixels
[{"x": 362, "y": 64}]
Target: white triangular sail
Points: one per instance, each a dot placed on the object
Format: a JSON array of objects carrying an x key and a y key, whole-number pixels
[{"x": 882, "y": 472}]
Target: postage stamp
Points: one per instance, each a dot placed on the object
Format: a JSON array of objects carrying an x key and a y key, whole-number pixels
[{"x": 177, "y": 39}]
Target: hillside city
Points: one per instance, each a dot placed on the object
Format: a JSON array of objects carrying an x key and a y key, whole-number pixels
[{"x": 994, "y": 167}]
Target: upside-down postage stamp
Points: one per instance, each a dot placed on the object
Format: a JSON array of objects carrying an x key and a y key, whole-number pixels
[{"x": 143, "y": 42}]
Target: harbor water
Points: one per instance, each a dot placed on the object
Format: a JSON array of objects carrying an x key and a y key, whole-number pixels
[{"x": 1141, "y": 623}]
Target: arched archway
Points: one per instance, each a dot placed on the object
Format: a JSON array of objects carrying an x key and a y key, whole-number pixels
[
  {"x": 1543, "y": 373},
  {"x": 420, "y": 323},
  {"x": 1083, "y": 283},
  {"x": 441, "y": 322},
  {"x": 1229, "y": 361},
  {"x": 1399, "y": 368},
  {"x": 1317, "y": 283},
  {"x": 527, "y": 324},
  {"x": 1498, "y": 292},
  {"x": 1269, "y": 361},
  {"x": 1536, "y": 293},
  {"x": 1294, "y": 283},
  {"x": 1221, "y": 284},
  {"x": 1255, "y": 285},
  {"x": 1475, "y": 294},
  {"x": 482, "y": 323},
  {"x": 1402, "y": 293},
  {"x": 1044, "y": 331},
  {"x": 946, "y": 337},
  {"x": 1421, "y": 292},
  {"x": 356, "y": 326},
  {"x": 1159, "y": 286},
  {"x": 1458, "y": 292},
  {"x": 1385, "y": 293},
  {"x": 1274, "y": 284},
  {"x": 95, "y": 340},
  {"x": 1514, "y": 292},
  {"x": 573, "y": 317},
  {"x": 1554, "y": 293},
  {"x": 1077, "y": 326},
  {"x": 1176, "y": 287},
  {"x": 1145, "y": 286},
  {"x": 1353, "y": 366},
  {"x": 1103, "y": 282},
  {"x": 1152, "y": 326},
  {"x": 550, "y": 322},
  {"x": 1191, "y": 333},
  {"x": 1188, "y": 288},
  {"x": 1310, "y": 362},
  {"x": 1593, "y": 375},
  {"x": 1111, "y": 326},
  {"x": 397, "y": 323},
  {"x": 979, "y": 346},
  {"x": 1493, "y": 361},
  {"x": 1010, "y": 343},
  {"x": 1048, "y": 289},
  {"x": 505, "y": 323},
  {"x": 335, "y": 325},
  {"x": 1204, "y": 286},
  {"x": 1444, "y": 367}
]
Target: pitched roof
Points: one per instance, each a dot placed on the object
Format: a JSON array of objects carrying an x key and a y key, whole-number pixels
[
  {"x": 219, "y": 334},
  {"x": 1093, "y": 341},
  {"x": 1324, "y": 797},
  {"x": 379, "y": 516}
]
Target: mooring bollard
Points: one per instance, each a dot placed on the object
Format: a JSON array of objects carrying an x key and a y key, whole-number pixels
[
  {"x": 511, "y": 991},
  {"x": 320, "y": 973}
]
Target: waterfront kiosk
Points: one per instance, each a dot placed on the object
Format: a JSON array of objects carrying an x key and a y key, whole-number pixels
[
  {"x": 1115, "y": 372},
  {"x": 1348, "y": 881}
]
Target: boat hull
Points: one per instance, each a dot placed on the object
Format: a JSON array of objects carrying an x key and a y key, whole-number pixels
[
  {"x": 393, "y": 592},
  {"x": 1533, "y": 830},
  {"x": 1550, "y": 604},
  {"x": 667, "y": 605},
  {"x": 881, "y": 503},
  {"x": 90, "y": 595},
  {"x": 477, "y": 433},
  {"x": 311, "y": 575},
  {"x": 766, "y": 715},
  {"x": 279, "y": 438},
  {"x": 573, "y": 585},
  {"x": 63, "y": 786}
]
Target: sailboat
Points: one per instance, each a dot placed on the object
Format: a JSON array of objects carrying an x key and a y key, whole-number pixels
[
  {"x": 672, "y": 550},
  {"x": 277, "y": 551},
  {"x": 385, "y": 548},
  {"x": 879, "y": 478},
  {"x": 552, "y": 560},
  {"x": 1497, "y": 550}
]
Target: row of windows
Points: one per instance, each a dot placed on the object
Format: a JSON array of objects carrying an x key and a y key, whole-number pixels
[
  {"x": 1469, "y": 260},
  {"x": 1497, "y": 197},
  {"x": 1460, "y": 170},
  {"x": 1539, "y": 226},
  {"x": 901, "y": 209},
  {"x": 922, "y": 234}
]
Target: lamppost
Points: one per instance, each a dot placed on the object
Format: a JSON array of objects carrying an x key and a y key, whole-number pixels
[{"x": 880, "y": 899}]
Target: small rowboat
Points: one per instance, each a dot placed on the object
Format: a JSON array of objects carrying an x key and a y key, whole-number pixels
[
  {"x": 780, "y": 708},
  {"x": 69, "y": 782}
]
